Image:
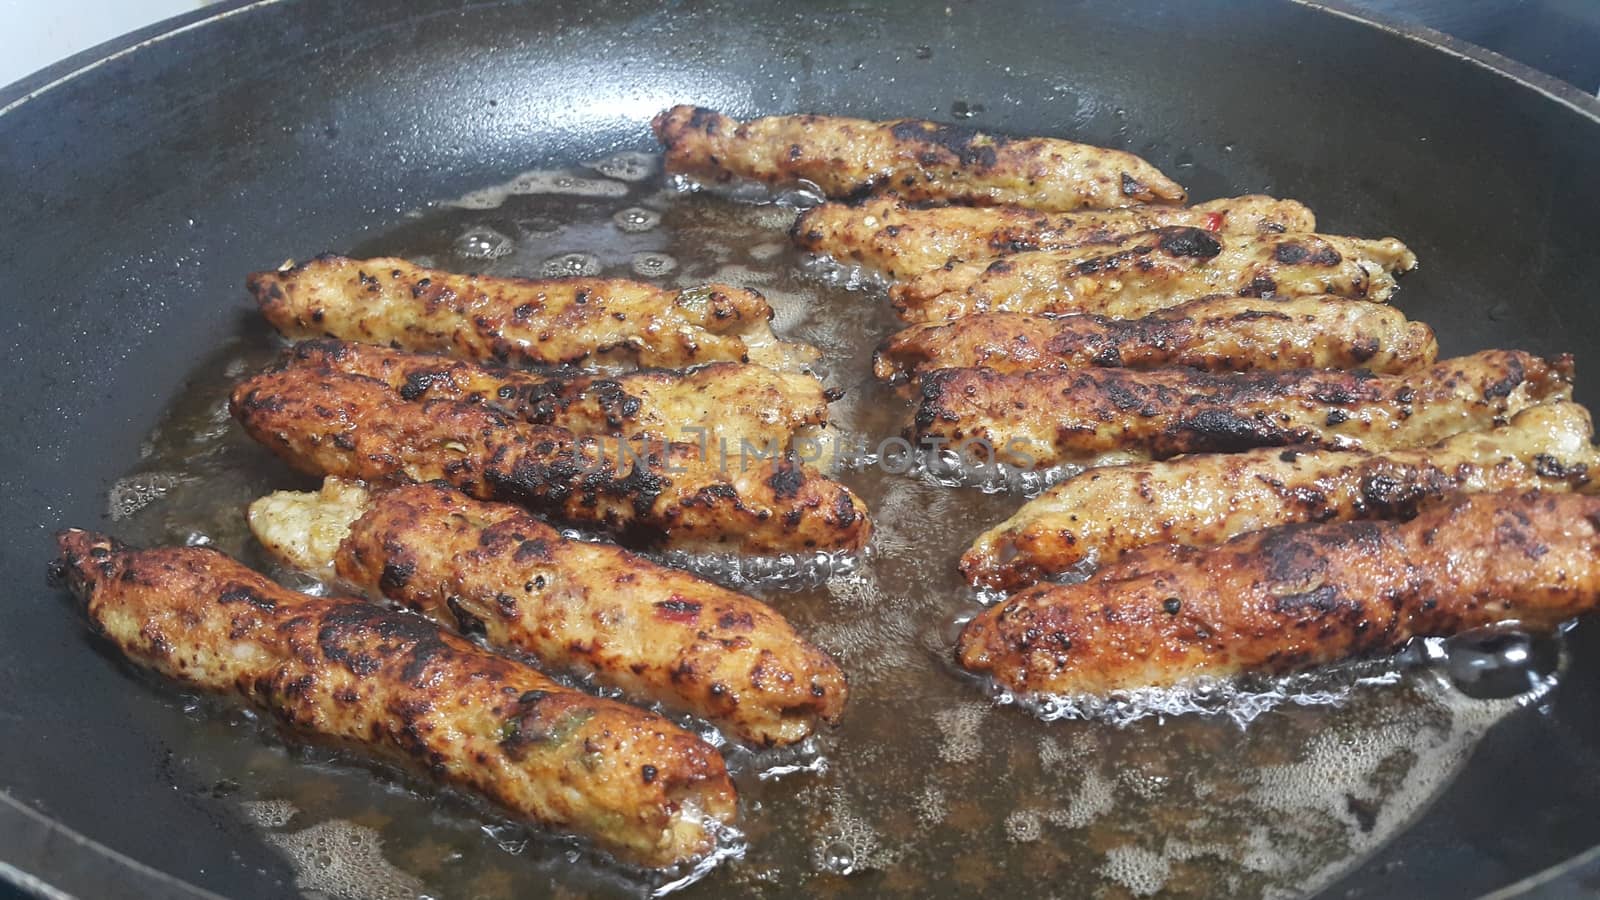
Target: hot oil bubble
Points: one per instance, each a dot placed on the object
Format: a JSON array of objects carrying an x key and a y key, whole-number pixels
[
  {"x": 636, "y": 219},
  {"x": 766, "y": 252},
  {"x": 653, "y": 265},
  {"x": 482, "y": 242},
  {"x": 1496, "y": 663},
  {"x": 341, "y": 859},
  {"x": 626, "y": 166},
  {"x": 571, "y": 265},
  {"x": 1023, "y": 826},
  {"x": 849, "y": 844},
  {"x": 268, "y": 813},
  {"x": 539, "y": 181},
  {"x": 961, "y": 731},
  {"x": 131, "y": 494},
  {"x": 1143, "y": 872}
]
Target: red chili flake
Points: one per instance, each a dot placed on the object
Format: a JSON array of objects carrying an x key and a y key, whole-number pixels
[
  {"x": 677, "y": 609},
  {"x": 1214, "y": 220}
]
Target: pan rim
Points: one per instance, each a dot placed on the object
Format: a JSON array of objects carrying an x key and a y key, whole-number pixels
[
  {"x": 19, "y": 818},
  {"x": 31, "y": 87}
]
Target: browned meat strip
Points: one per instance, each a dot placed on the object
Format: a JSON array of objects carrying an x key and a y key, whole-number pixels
[
  {"x": 551, "y": 322},
  {"x": 1202, "y": 500},
  {"x": 357, "y": 427},
  {"x": 1297, "y": 596},
  {"x": 917, "y": 160},
  {"x": 729, "y": 402},
  {"x": 395, "y": 686},
  {"x": 897, "y": 241},
  {"x": 1156, "y": 270},
  {"x": 1218, "y": 334},
  {"x": 1096, "y": 416},
  {"x": 492, "y": 569}
]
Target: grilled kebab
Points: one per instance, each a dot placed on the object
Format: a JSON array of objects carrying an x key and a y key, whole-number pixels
[
  {"x": 897, "y": 241},
  {"x": 917, "y": 160},
  {"x": 492, "y": 569},
  {"x": 1096, "y": 517},
  {"x": 1218, "y": 334},
  {"x": 1296, "y": 596},
  {"x": 1098, "y": 416},
  {"x": 397, "y": 687},
  {"x": 1154, "y": 270},
  {"x": 549, "y": 322},
  {"x": 330, "y": 423},
  {"x": 720, "y": 402}
]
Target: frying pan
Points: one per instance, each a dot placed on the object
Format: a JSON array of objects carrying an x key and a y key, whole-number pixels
[{"x": 142, "y": 179}]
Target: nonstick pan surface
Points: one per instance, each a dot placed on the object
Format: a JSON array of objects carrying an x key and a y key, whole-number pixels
[{"x": 140, "y": 182}]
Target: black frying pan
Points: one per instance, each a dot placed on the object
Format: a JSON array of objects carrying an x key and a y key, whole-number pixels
[{"x": 140, "y": 181}]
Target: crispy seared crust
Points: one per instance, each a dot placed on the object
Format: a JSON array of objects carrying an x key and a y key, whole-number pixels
[
  {"x": 1203, "y": 500},
  {"x": 357, "y": 427},
  {"x": 1094, "y": 416},
  {"x": 549, "y": 322},
  {"x": 727, "y": 401},
  {"x": 656, "y": 633},
  {"x": 401, "y": 689},
  {"x": 898, "y": 241},
  {"x": 1155, "y": 270},
  {"x": 1218, "y": 334},
  {"x": 1297, "y": 596},
  {"x": 918, "y": 160}
]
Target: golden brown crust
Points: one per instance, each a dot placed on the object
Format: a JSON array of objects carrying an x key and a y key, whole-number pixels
[
  {"x": 917, "y": 160},
  {"x": 897, "y": 241},
  {"x": 1156, "y": 270},
  {"x": 1297, "y": 596},
  {"x": 1218, "y": 334},
  {"x": 550, "y": 322},
  {"x": 1202, "y": 500},
  {"x": 356, "y": 427},
  {"x": 492, "y": 569},
  {"x": 1093, "y": 416},
  {"x": 720, "y": 401},
  {"x": 399, "y": 688}
]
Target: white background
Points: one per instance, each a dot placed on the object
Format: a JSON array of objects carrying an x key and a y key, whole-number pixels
[{"x": 36, "y": 33}]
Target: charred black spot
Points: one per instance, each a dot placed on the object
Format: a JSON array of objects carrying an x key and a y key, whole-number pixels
[
  {"x": 354, "y": 634},
  {"x": 1260, "y": 286},
  {"x": 1515, "y": 375},
  {"x": 240, "y": 593},
  {"x": 701, "y": 118},
  {"x": 417, "y": 384},
  {"x": 741, "y": 621},
  {"x": 466, "y": 622},
  {"x": 537, "y": 549},
  {"x": 1122, "y": 396},
  {"x": 1550, "y": 467},
  {"x": 1224, "y": 431},
  {"x": 1290, "y": 253},
  {"x": 1133, "y": 187},
  {"x": 786, "y": 479},
  {"x": 1189, "y": 242},
  {"x": 678, "y": 609},
  {"x": 648, "y": 773},
  {"x": 970, "y": 146},
  {"x": 1321, "y": 599},
  {"x": 1172, "y": 605},
  {"x": 396, "y": 574}
]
